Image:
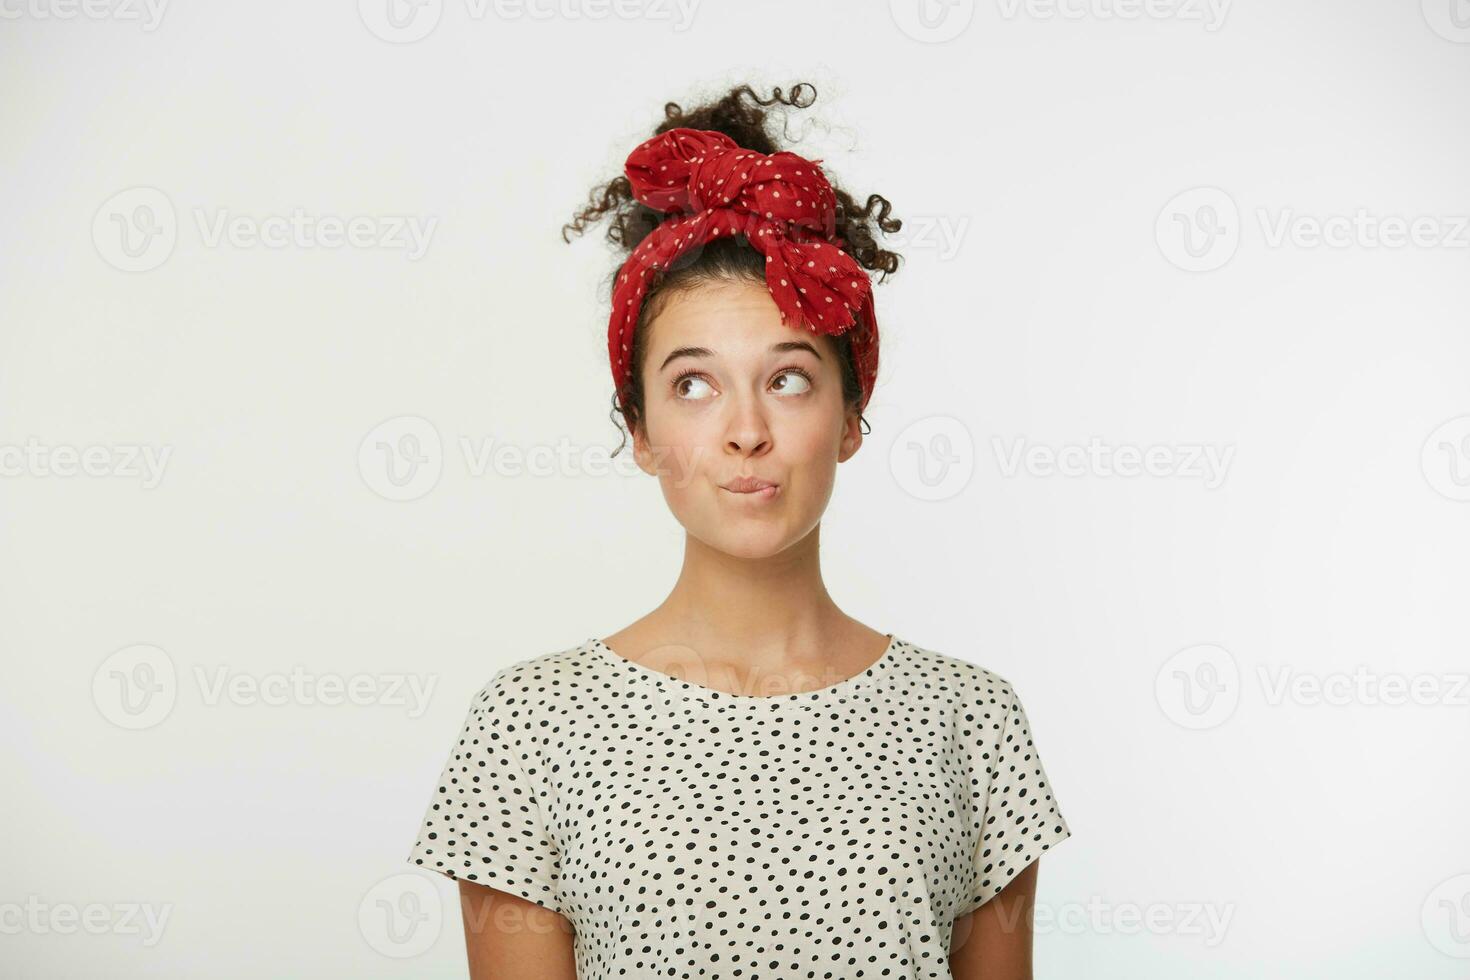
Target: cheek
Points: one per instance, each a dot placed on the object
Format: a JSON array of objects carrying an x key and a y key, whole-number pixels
[
  {"x": 809, "y": 452},
  {"x": 679, "y": 450},
  {"x": 813, "y": 441},
  {"x": 806, "y": 451}
]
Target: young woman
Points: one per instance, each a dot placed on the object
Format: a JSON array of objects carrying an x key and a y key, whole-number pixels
[{"x": 746, "y": 782}]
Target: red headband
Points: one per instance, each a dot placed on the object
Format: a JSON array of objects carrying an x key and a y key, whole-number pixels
[{"x": 783, "y": 206}]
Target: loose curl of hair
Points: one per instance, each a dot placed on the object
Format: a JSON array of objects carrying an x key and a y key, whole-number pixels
[{"x": 740, "y": 114}]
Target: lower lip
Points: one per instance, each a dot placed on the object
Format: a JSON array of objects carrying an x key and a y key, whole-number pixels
[{"x": 765, "y": 493}]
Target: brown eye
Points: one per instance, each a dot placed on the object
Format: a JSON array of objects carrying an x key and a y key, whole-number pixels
[
  {"x": 797, "y": 382},
  {"x": 685, "y": 382}
]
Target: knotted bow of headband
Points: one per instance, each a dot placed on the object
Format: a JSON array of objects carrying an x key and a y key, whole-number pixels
[{"x": 784, "y": 207}]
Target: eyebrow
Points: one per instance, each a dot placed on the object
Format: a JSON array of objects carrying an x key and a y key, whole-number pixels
[{"x": 782, "y": 347}]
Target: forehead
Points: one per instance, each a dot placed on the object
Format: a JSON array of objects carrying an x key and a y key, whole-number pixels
[{"x": 727, "y": 317}]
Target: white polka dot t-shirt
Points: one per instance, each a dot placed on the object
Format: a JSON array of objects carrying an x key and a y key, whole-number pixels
[{"x": 688, "y": 832}]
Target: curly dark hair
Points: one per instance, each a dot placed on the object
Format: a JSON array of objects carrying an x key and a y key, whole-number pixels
[{"x": 740, "y": 114}]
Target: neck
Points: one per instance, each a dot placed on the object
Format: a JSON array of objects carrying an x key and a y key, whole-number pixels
[{"x": 770, "y": 604}]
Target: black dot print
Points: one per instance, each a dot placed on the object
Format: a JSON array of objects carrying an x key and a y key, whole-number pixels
[{"x": 693, "y": 833}]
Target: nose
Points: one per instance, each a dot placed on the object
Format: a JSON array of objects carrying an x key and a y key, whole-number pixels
[{"x": 747, "y": 433}]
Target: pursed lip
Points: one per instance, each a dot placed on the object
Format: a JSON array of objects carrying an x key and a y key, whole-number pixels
[{"x": 747, "y": 484}]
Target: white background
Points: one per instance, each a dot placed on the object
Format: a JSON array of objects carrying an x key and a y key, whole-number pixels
[{"x": 1049, "y": 297}]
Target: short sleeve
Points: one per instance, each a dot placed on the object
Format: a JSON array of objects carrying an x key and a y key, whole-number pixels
[
  {"x": 485, "y": 823},
  {"x": 1020, "y": 820}
]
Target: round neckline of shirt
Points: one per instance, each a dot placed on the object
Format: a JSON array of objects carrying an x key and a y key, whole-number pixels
[{"x": 861, "y": 681}]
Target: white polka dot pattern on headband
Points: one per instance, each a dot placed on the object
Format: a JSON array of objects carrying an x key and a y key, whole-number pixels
[
  {"x": 702, "y": 180},
  {"x": 690, "y": 832}
]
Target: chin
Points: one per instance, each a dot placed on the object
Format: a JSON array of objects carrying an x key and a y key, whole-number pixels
[
  {"x": 749, "y": 548},
  {"x": 726, "y": 527},
  {"x": 752, "y": 540}
]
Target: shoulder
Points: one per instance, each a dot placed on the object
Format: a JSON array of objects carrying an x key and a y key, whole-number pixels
[
  {"x": 986, "y": 714},
  {"x": 540, "y": 680},
  {"x": 960, "y": 678}
]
